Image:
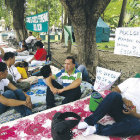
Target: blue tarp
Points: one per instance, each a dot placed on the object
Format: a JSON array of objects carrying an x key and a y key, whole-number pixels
[{"x": 102, "y": 31}]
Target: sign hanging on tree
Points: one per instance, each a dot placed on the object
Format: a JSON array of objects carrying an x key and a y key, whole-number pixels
[
  {"x": 38, "y": 22},
  {"x": 127, "y": 41}
]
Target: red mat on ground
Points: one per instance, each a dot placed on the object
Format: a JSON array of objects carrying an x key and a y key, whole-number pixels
[{"x": 38, "y": 126}]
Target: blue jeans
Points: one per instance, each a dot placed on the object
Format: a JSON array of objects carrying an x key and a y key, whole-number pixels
[
  {"x": 84, "y": 72},
  {"x": 17, "y": 95},
  {"x": 125, "y": 125}
]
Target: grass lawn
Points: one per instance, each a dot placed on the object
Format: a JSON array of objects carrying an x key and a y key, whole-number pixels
[
  {"x": 100, "y": 46},
  {"x": 106, "y": 45}
]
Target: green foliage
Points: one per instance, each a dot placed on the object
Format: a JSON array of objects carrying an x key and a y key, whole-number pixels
[
  {"x": 132, "y": 13},
  {"x": 39, "y": 6},
  {"x": 5, "y": 12},
  {"x": 112, "y": 13}
]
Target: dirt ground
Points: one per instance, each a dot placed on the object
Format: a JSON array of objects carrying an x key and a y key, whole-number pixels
[{"x": 127, "y": 65}]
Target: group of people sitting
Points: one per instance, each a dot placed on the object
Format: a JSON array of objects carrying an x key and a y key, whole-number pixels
[
  {"x": 12, "y": 86},
  {"x": 122, "y": 104},
  {"x": 65, "y": 83}
]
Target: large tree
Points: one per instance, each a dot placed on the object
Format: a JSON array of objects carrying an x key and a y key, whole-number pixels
[
  {"x": 18, "y": 8},
  {"x": 84, "y": 15}
]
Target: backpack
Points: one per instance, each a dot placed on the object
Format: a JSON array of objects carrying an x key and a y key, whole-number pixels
[{"x": 61, "y": 128}]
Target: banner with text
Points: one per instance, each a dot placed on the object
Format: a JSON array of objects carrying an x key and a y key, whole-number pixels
[
  {"x": 38, "y": 22},
  {"x": 127, "y": 41},
  {"x": 105, "y": 79}
]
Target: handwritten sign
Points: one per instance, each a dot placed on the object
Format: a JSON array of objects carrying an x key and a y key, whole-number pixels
[
  {"x": 105, "y": 79},
  {"x": 127, "y": 41},
  {"x": 38, "y": 22}
]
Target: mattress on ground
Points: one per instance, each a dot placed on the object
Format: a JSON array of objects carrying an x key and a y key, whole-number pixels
[
  {"x": 38, "y": 126},
  {"x": 9, "y": 49},
  {"x": 33, "y": 63},
  {"x": 23, "y": 58},
  {"x": 38, "y": 98},
  {"x": 38, "y": 92}
]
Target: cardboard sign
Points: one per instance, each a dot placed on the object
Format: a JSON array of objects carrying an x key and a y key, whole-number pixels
[
  {"x": 38, "y": 22},
  {"x": 105, "y": 79},
  {"x": 127, "y": 41}
]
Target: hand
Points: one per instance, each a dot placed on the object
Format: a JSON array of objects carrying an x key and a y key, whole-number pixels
[
  {"x": 131, "y": 111},
  {"x": 128, "y": 103},
  {"x": 60, "y": 90},
  {"x": 28, "y": 99},
  {"x": 54, "y": 90},
  {"x": 28, "y": 102},
  {"x": 29, "y": 105}
]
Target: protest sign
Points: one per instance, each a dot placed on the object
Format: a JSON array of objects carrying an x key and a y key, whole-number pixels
[
  {"x": 38, "y": 22},
  {"x": 127, "y": 41},
  {"x": 105, "y": 79}
]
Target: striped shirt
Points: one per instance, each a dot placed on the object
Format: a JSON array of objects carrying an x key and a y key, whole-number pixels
[{"x": 65, "y": 79}]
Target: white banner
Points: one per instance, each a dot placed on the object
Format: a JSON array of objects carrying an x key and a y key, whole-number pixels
[
  {"x": 127, "y": 41},
  {"x": 105, "y": 79}
]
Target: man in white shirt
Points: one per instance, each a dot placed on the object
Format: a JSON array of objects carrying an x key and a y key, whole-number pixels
[
  {"x": 13, "y": 97},
  {"x": 30, "y": 38},
  {"x": 14, "y": 76},
  {"x": 123, "y": 104}
]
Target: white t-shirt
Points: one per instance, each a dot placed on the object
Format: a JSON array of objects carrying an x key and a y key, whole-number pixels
[
  {"x": 14, "y": 73},
  {"x": 130, "y": 89},
  {"x": 3, "y": 83},
  {"x": 29, "y": 39}
]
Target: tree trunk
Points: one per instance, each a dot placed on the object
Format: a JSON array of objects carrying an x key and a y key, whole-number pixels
[
  {"x": 18, "y": 9},
  {"x": 121, "y": 19},
  {"x": 84, "y": 15},
  {"x": 86, "y": 40},
  {"x": 69, "y": 46}
]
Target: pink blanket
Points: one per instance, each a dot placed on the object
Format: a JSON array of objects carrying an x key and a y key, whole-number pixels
[{"x": 38, "y": 126}]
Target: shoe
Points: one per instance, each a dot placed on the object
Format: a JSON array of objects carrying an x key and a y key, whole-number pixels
[
  {"x": 90, "y": 130},
  {"x": 82, "y": 125}
]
